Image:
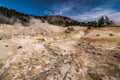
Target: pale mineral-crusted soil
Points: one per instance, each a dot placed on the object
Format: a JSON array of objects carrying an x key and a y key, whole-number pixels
[{"x": 37, "y": 53}]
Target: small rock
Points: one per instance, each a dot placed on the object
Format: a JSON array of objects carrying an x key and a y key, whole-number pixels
[
  {"x": 6, "y": 46},
  {"x": 19, "y": 47}
]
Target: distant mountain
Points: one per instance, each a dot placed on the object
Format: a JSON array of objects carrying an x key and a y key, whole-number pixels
[{"x": 10, "y": 16}]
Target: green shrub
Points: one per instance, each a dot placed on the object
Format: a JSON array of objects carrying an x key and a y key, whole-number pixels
[{"x": 69, "y": 29}]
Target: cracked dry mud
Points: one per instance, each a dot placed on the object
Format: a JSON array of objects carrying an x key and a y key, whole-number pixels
[{"x": 32, "y": 53}]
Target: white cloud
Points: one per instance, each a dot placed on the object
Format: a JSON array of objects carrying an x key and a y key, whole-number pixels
[
  {"x": 63, "y": 10},
  {"x": 115, "y": 16},
  {"x": 80, "y": 12},
  {"x": 97, "y": 13}
]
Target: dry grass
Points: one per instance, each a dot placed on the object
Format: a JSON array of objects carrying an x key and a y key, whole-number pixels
[
  {"x": 113, "y": 29},
  {"x": 97, "y": 41}
]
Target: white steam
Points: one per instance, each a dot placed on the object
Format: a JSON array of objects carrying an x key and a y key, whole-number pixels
[{"x": 37, "y": 23}]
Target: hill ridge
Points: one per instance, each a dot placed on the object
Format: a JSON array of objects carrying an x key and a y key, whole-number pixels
[{"x": 7, "y": 14}]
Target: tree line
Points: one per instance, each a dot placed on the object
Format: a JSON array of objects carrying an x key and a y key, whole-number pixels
[
  {"x": 25, "y": 18},
  {"x": 103, "y": 21}
]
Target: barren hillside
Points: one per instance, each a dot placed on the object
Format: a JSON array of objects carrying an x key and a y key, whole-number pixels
[{"x": 46, "y": 52}]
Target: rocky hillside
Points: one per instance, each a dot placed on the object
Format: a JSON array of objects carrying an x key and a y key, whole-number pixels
[
  {"x": 9, "y": 16},
  {"x": 47, "y": 52}
]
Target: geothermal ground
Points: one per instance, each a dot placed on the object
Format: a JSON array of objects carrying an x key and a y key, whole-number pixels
[{"x": 47, "y": 52}]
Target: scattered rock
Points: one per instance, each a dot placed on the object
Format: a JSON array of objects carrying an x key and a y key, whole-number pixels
[
  {"x": 19, "y": 47},
  {"x": 111, "y": 34},
  {"x": 116, "y": 54},
  {"x": 98, "y": 35},
  {"x": 6, "y": 46}
]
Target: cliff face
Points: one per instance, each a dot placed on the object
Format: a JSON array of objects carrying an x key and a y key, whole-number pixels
[{"x": 47, "y": 52}]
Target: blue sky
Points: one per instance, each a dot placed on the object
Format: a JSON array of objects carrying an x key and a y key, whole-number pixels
[{"x": 82, "y": 10}]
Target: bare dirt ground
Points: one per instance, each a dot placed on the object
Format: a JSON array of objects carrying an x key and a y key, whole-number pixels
[{"x": 47, "y": 52}]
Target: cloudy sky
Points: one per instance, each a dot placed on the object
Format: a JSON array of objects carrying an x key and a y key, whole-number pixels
[{"x": 82, "y": 10}]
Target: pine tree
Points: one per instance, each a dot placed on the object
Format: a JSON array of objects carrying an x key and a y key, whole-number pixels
[{"x": 101, "y": 22}]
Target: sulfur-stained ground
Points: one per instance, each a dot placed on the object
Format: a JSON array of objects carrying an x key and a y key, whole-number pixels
[{"x": 51, "y": 53}]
